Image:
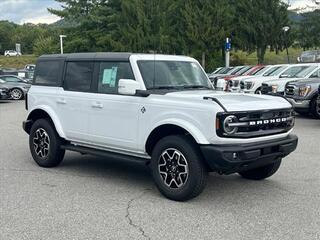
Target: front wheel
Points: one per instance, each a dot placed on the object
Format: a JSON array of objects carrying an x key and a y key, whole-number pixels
[
  {"x": 177, "y": 168},
  {"x": 261, "y": 172},
  {"x": 16, "y": 94},
  {"x": 45, "y": 144},
  {"x": 315, "y": 107}
]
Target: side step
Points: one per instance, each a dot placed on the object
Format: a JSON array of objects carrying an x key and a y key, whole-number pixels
[{"x": 106, "y": 154}]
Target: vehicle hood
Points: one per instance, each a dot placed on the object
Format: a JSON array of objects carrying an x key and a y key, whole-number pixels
[
  {"x": 303, "y": 82},
  {"x": 280, "y": 83},
  {"x": 235, "y": 101}
]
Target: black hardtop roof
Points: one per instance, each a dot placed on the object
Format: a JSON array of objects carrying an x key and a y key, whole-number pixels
[{"x": 113, "y": 56}]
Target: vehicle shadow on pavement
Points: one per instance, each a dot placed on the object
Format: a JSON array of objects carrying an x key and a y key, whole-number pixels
[{"x": 138, "y": 176}]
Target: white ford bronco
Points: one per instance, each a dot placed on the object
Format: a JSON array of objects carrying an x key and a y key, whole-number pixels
[{"x": 156, "y": 109}]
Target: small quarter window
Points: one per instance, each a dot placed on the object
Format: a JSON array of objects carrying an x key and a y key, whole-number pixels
[
  {"x": 78, "y": 76},
  {"x": 48, "y": 73},
  {"x": 110, "y": 73}
]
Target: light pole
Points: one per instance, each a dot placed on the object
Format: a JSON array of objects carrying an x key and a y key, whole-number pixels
[
  {"x": 61, "y": 42},
  {"x": 285, "y": 29}
]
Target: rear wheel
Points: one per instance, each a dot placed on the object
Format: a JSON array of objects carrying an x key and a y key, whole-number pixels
[
  {"x": 45, "y": 144},
  {"x": 261, "y": 172},
  {"x": 315, "y": 107},
  {"x": 177, "y": 168}
]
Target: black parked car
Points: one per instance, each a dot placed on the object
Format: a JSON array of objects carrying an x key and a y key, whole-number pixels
[
  {"x": 304, "y": 96},
  {"x": 4, "y": 92},
  {"x": 17, "y": 86}
]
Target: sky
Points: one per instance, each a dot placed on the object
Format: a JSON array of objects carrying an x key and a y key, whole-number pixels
[{"x": 35, "y": 11}]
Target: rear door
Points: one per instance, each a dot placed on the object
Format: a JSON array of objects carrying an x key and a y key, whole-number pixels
[{"x": 73, "y": 99}]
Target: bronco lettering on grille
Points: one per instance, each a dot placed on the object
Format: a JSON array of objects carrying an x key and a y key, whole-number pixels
[{"x": 264, "y": 122}]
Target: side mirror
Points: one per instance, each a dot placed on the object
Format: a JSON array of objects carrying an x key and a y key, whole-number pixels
[{"x": 128, "y": 87}]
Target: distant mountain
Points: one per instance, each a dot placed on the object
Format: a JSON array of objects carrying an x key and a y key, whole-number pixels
[
  {"x": 63, "y": 23},
  {"x": 304, "y": 6}
]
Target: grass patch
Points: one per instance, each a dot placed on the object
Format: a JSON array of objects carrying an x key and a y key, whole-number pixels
[
  {"x": 17, "y": 62},
  {"x": 243, "y": 58}
]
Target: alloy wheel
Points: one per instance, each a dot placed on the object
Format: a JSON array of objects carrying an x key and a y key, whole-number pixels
[
  {"x": 173, "y": 168},
  {"x": 16, "y": 94},
  {"x": 41, "y": 143}
]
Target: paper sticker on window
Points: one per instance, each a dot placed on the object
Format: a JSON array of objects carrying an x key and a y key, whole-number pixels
[{"x": 110, "y": 76}]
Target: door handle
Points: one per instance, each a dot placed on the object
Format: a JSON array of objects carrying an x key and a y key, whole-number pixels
[
  {"x": 61, "y": 101},
  {"x": 97, "y": 105}
]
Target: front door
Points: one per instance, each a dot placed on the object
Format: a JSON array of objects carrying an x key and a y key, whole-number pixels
[{"x": 113, "y": 118}]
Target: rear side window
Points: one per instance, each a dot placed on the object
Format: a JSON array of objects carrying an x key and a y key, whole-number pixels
[
  {"x": 110, "y": 73},
  {"x": 48, "y": 73},
  {"x": 78, "y": 76}
]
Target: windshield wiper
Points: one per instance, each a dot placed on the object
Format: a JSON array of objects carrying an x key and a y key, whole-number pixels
[
  {"x": 196, "y": 86},
  {"x": 164, "y": 87}
]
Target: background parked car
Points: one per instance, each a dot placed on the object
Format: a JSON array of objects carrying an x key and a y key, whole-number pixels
[
  {"x": 304, "y": 96},
  {"x": 17, "y": 86},
  {"x": 11, "y": 53},
  {"x": 309, "y": 56}
]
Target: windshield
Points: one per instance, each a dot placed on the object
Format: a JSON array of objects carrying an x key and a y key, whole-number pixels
[
  {"x": 274, "y": 71},
  {"x": 257, "y": 71},
  {"x": 305, "y": 72},
  {"x": 173, "y": 74},
  {"x": 293, "y": 71},
  {"x": 244, "y": 70}
]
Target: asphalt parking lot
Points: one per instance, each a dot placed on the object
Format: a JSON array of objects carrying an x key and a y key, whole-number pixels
[{"x": 88, "y": 197}]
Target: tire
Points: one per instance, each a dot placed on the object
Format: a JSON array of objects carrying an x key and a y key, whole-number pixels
[
  {"x": 45, "y": 144},
  {"x": 16, "y": 94},
  {"x": 261, "y": 172},
  {"x": 258, "y": 91},
  {"x": 189, "y": 170},
  {"x": 315, "y": 107},
  {"x": 305, "y": 114}
]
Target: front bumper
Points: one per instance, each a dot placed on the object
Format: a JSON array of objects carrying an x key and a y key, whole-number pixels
[
  {"x": 227, "y": 159},
  {"x": 4, "y": 95},
  {"x": 299, "y": 104}
]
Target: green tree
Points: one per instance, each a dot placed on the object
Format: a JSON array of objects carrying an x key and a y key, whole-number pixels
[
  {"x": 308, "y": 34},
  {"x": 259, "y": 24},
  {"x": 207, "y": 24}
]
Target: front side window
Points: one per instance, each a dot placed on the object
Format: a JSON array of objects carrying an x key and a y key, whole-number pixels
[
  {"x": 47, "y": 73},
  {"x": 78, "y": 76},
  {"x": 173, "y": 74},
  {"x": 293, "y": 71},
  {"x": 316, "y": 74},
  {"x": 110, "y": 73},
  {"x": 305, "y": 72}
]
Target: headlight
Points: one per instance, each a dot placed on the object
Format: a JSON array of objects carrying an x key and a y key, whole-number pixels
[
  {"x": 304, "y": 91},
  {"x": 227, "y": 125},
  {"x": 274, "y": 88}
]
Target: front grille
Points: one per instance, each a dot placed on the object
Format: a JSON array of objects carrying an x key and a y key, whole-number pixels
[
  {"x": 235, "y": 83},
  {"x": 258, "y": 123},
  {"x": 290, "y": 90},
  {"x": 248, "y": 85}
]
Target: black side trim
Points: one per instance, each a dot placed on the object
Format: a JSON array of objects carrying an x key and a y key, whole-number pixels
[
  {"x": 106, "y": 154},
  {"x": 217, "y": 101}
]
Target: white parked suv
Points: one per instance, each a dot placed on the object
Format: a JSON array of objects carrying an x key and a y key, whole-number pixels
[
  {"x": 11, "y": 53},
  {"x": 156, "y": 109}
]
